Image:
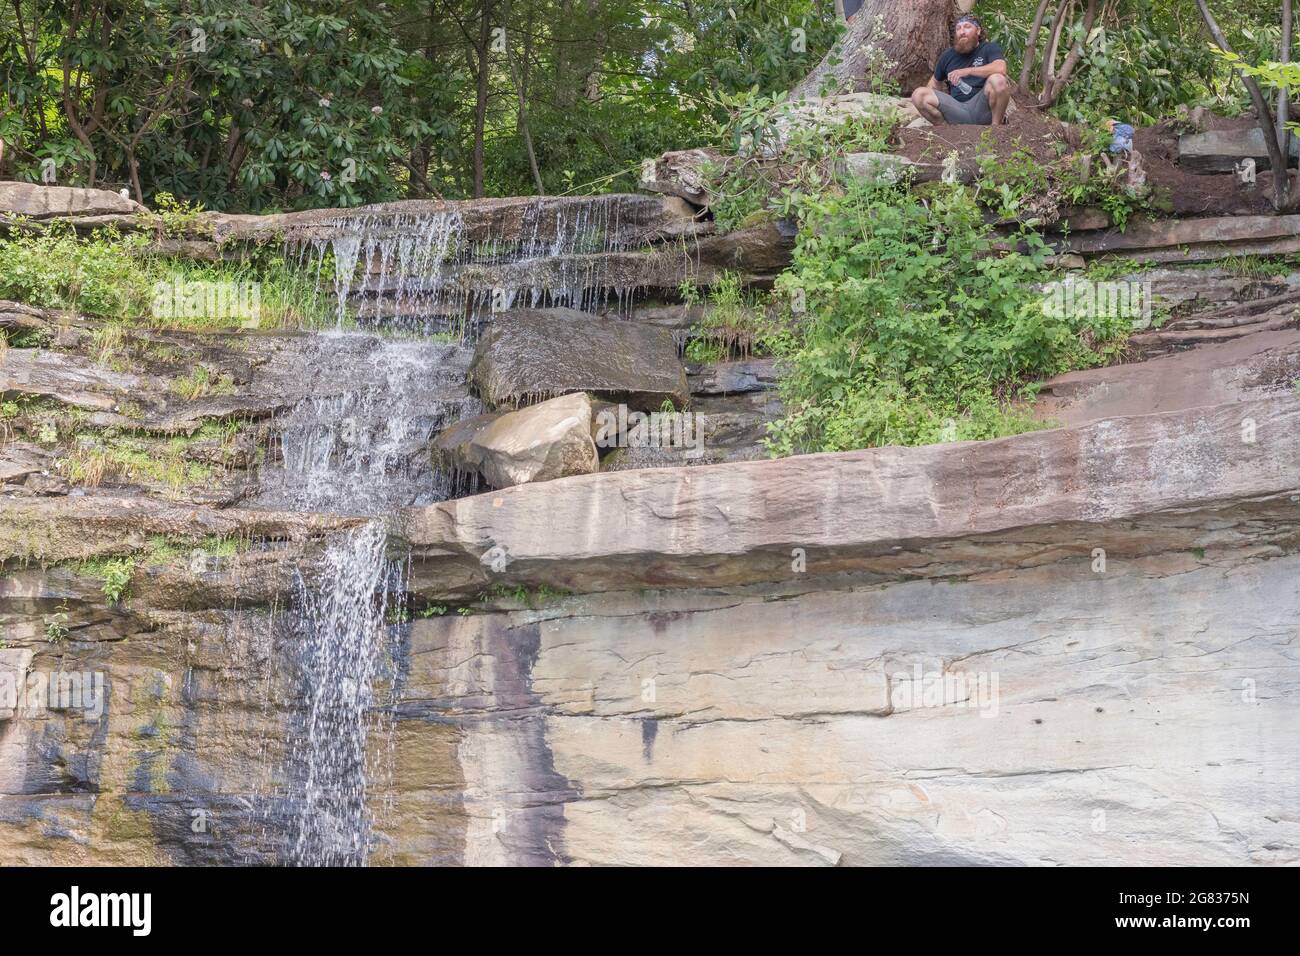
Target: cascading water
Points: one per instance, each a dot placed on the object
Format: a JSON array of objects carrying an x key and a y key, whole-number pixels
[
  {"x": 360, "y": 445},
  {"x": 428, "y": 271},
  {"x": 342, "y": 624}
]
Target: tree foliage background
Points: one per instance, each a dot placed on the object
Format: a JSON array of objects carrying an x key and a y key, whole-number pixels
[{"x": 277, "y": 104}]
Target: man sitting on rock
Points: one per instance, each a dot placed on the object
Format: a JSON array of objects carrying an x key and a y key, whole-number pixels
[{"x": 975, "y": 72}]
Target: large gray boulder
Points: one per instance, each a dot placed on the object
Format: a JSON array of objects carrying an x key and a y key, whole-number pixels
[
  {"x": 1219, "y": 151},
  {"x": 532, "y": 354},
  {"x": 538, "y": 443},
  {"x": 44, "y": 202}
]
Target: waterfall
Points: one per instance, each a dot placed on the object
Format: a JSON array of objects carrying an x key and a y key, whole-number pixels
[
  {"x": 341, "y": 624},
  {"x": 429, "y": 271},
  {"x": 359, "y": 444}
]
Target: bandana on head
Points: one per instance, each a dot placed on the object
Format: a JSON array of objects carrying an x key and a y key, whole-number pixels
[{"x": 968, "y": 18}]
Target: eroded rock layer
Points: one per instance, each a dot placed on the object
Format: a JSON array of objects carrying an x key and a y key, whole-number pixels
[{"x": 1074, "y": 646}]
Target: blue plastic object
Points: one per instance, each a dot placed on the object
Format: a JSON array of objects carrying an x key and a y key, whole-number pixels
[{"x": 1121, "y": 138}]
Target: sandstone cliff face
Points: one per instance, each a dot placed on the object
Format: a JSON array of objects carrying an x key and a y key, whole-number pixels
[
  {"x": 931, "y": 674},
  {"x": 1138, "y": 716},
  {"x": 1073, "y": 646}
]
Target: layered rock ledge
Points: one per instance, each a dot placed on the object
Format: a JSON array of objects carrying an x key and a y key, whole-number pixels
[{"x": 1153, "y": 482}]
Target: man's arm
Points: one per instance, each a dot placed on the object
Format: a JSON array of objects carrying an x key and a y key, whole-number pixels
[{"x": 988, "y": 69}]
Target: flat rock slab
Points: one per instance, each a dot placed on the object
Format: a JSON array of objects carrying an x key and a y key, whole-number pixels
[
  {"x": 529, "y": 355},
  {"x": 44, "y": 202},
  {"x": 1218, "y": 151},
  {"x": 62, "y": 529},
  {"x": 20, "y": 459},
  {"x": 68, "y": 378},
  {"x": 1245, "y": 368},
  {"x": 1183, "y": 291},
  {"x": 1171, "y": 233},
  {"x": 885, "y": 509}
]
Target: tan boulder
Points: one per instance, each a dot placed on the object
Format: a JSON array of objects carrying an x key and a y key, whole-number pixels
[{"x": 537, "y": 443}]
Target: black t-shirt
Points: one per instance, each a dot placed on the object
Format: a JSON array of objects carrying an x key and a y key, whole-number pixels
[{"x": 984, "y": 54}]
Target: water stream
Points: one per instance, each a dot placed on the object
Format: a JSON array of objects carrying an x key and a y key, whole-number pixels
[
  {"x": 430, "y": 271},
  {"x": 342, "y": 625},
  {"x": 360, "y": 445}
]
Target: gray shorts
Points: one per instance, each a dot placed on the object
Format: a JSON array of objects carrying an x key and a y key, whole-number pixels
[{"x": 974, "y": 112}]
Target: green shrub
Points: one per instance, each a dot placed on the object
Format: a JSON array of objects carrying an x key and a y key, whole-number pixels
[
  {"x": 111, "y": 277},
  {"x": 916, "y": 328},
  {"x": 56, "y": 270},
  {"x": 56, "y": 626},
  {"x": 114, "y": 575}
]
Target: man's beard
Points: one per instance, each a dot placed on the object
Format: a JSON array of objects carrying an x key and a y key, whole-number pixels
[{"x": 966, "y": 45}]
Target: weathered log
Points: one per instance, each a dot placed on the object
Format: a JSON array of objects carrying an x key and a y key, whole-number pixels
[{"x": 1181, "y": 232}]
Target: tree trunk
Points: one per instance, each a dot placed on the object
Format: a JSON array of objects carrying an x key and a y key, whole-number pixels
[
  {"x": 481, "y": 97},
  {"x": 1283, "y": 99},
  {"x": 519, "y": 77},
  {"x": 1282, "y": 199},
  {"x": 1031, "y": 44},
  {"x": 919, "y": 31},
  {"x": 1052, "y": 89}
]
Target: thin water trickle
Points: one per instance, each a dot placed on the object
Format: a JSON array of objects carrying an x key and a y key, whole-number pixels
[{"x": 342, "y": 625}]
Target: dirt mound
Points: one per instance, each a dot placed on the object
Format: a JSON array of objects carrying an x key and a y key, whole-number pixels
[
  {"x": 1175, "y": 190},
  {"x": 1045, "y": 137},
  {"x": 1185, "y": 193}
]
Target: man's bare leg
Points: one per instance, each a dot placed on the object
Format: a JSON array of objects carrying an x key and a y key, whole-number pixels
[
  {"x": 998, "y": 89},
  {"x": 927, "y": 104}
]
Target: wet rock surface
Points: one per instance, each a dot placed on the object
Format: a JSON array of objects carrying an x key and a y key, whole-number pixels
[
  {"x": 229, "y": 418},
  {"x": 697, "y": 719},
  {"x": 1238, "y": 369},
  {"x": 527, "y": 355},
  {"x": 689, "y": 658}
]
